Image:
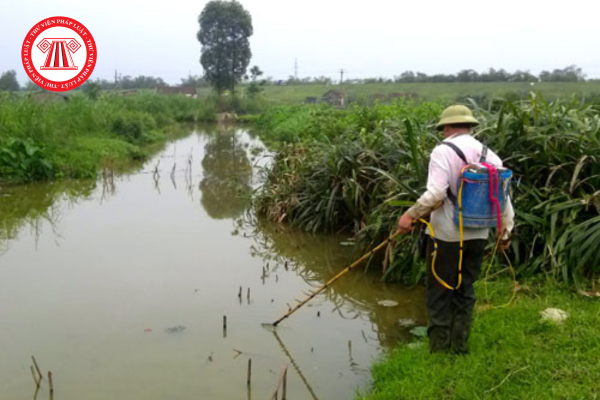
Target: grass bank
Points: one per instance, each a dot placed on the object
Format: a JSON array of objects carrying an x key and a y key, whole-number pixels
[
  {"x": 513, "y": 354},
  {"x": 52, "y": 138}
]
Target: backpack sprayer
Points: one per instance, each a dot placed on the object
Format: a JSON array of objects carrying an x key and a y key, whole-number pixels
[{"x": 482, "y": 193}]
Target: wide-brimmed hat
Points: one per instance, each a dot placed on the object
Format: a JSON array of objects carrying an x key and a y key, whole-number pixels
[{"x": 457, "y": 114}]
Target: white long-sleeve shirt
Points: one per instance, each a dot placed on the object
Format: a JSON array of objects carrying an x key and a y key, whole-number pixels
[{"x": 444, "y": 171}]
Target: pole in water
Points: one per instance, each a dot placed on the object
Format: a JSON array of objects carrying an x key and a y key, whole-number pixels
[
  {"x": 224, "y": 325},
  {"x": 240, "y": 293},
  {"x": 40, "y": 376},
  {"x": 248, "y": 295},
  {"x": 35, "y": 379},
  {"x": 249, "y": 379},
  {"x": 50, "y": 383},
  {"x": 336, "y": 277},
  {"x": 284, "y": 389}
]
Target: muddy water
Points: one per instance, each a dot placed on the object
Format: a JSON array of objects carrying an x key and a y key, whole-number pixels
[{"x": 120, "y": 287}]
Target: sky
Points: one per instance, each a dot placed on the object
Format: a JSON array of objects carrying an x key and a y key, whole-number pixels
[{"x": 365, "y": 38}]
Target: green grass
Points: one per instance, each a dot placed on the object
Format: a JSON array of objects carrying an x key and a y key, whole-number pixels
[
  {"x": 513, "y": 354},
  {"x": 42, "y": 140},
  {"x": 430, "y": 91}
]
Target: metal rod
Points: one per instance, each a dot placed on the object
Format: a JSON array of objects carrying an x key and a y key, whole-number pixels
[{"x": 338, "y": 276}]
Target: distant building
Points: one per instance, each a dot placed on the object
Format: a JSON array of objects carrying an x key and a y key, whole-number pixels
[
  {"x": 335, "y": 98},
  {"x": 177, "y": 90}
]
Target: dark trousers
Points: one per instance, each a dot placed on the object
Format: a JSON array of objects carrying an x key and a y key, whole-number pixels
[{"x": 450, "y": 311}]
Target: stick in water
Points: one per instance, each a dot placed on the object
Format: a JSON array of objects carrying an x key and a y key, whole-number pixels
[
  {"x": 338, "y": 276},
  {"x": 50, "y": 383},
  {"x": 35, "y": 379},
  {"x": 37, "y": 368},
  {"x": 249, "y": 372}
]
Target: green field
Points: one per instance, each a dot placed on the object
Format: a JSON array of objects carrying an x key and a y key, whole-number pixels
[
  {"x": 514, "y": 355},
  {"x": 429, "y": 91}
]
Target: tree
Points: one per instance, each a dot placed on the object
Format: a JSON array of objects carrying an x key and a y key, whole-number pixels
[
  {"x": 225, "y": 27},
  {"x": 255, "y": 86},
  {"x": 8, "y": 81}
]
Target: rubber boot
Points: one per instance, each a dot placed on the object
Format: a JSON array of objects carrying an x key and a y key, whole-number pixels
[
  {"x": 459, "y": 336},
  {"x": 439, "y": 340}
]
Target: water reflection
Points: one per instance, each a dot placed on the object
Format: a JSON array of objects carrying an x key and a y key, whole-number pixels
[
  {"x": 32, "y": 205},
  {"x": 317, "y": 258},
  {"x": 226, "y": 184}
]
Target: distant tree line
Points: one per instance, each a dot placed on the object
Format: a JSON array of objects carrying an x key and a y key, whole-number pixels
[
  {"x": 8, "y": 79},
  {"x": 568, "y": 74}
]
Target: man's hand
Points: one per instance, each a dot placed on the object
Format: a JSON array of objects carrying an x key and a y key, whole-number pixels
[
  {"x": 504, "y": 241},
  {"x": 405, "y": 223},
  {"x": 504, "y": 244}
]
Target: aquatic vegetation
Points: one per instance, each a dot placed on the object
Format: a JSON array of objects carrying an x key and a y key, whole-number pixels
[{"x": 362, "y": 177}]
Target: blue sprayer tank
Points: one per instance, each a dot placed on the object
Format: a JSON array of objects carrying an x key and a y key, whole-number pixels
[{"x": 477, "y": 211}]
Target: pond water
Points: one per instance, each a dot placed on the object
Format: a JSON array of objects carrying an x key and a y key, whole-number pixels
[{"x": 120, "y": 287}]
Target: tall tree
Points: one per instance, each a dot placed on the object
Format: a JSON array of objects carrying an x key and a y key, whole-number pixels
[
  {"x": 225, "y": 27},
  {"x": 8, "y": 81}
]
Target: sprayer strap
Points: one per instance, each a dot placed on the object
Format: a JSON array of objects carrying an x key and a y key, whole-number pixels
[
  {"x": 483, "y": 157},
  {"x": 459, "y": 153}
]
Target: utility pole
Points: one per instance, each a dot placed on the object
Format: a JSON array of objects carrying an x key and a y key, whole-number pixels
[
  {"x": 341, "y": 76},
  {"x": 296, "y": 68}
]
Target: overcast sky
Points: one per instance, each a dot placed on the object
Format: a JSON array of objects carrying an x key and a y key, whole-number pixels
[{"x": 366, "y": 38}]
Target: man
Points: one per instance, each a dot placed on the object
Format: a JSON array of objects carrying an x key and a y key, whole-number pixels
[{"x": 450, "y": 311}]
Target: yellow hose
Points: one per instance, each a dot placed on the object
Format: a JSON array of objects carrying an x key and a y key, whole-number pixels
[{"x": 460, "y": 257}]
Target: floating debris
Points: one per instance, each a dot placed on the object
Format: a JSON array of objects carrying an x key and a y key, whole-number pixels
[
  {"x": 407, "y": 322},
  {"x": 175, "y": 329},
  {"x": 147, "y": 330},
  {"x": 388, "y": 303},
  {"x": 419, "y": 331}
]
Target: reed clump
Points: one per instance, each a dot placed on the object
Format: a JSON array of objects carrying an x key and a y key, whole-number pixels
[{"x": 367, "y": 165}]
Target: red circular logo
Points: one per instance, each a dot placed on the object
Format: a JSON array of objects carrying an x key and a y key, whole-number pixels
[{"x": 59, "y": 54}]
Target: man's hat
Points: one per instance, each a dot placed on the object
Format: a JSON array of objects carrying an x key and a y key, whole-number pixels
[{"x": 456, "y": 114}]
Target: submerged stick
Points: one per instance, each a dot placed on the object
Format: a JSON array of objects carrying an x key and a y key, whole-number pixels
[
  {"x": 295, "y": 365},
  {"x": 37, "y": 368},
  {"x": 284, "y": 388},
  {"x": 35, "y": 379},
  {"x": 338, "y": 276},
  {"x": 249, "y": 379},
  {"x": 50, "y": 383}
]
